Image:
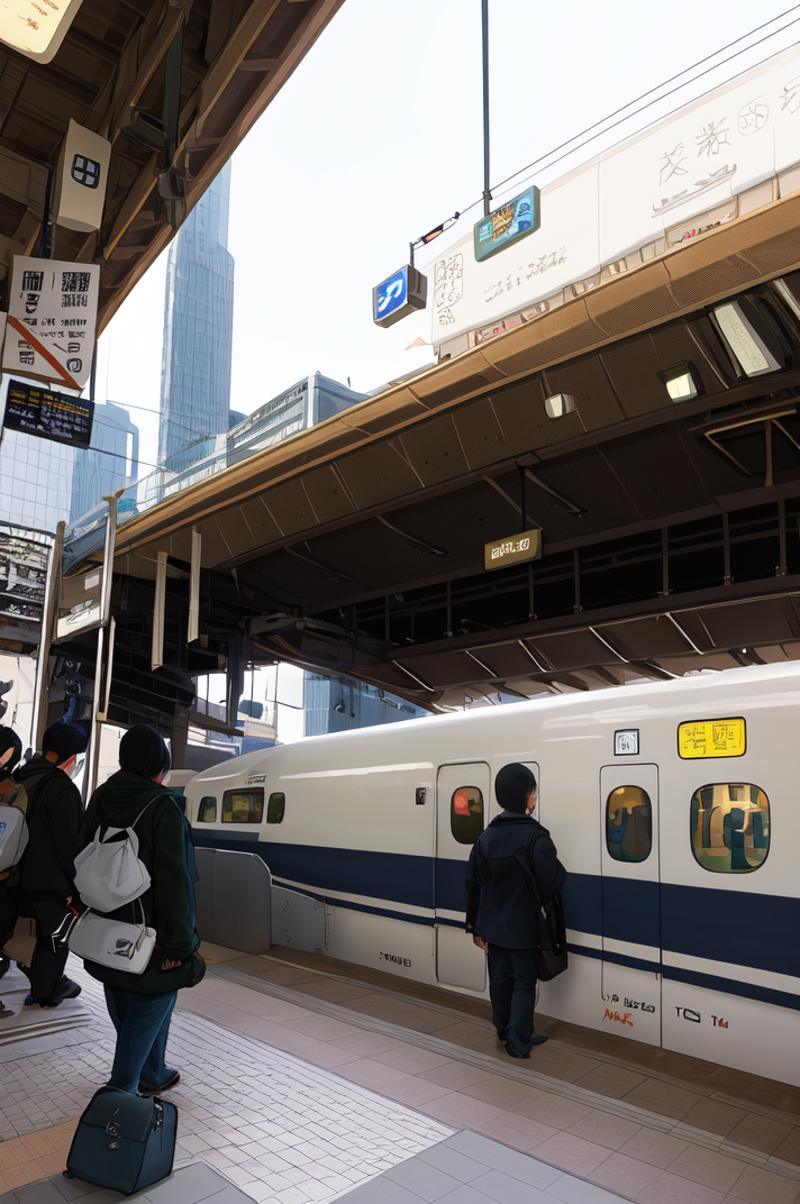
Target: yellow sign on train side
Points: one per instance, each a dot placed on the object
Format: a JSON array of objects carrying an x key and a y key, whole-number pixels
[{"x": 703, "y": 738}]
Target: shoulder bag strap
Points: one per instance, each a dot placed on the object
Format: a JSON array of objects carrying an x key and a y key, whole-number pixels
[
  {"x": 144, "y": 808},
  {"x": 35, "y": 798},
  {"x": 521, "y": 857}
]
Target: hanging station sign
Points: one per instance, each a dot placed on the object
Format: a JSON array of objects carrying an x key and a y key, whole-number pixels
[
  {"x": 509, "y": 223},
  {"x": 52, "y": 314},
  {"x": 399, "y": 295},
  {"x": 36, "y": 29},
  {"x": 60, "y": 417},
  {"x": 513, "y": 549}
]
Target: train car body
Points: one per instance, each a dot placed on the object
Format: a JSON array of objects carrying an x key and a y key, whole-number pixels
[{"x": 674, "y": 808}]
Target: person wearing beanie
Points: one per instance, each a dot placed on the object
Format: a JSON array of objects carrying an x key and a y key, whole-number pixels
[
  {"x": 140, "y": 1005},
  {"x": 46, "y": 884},
  {"x": 501, "y": 914},
  {"x": 11, "y": 795}
]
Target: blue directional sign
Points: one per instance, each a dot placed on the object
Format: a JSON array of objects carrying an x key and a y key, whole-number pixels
[{"x": 399, "y": 295}]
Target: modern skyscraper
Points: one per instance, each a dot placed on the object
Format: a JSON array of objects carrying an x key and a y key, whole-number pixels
[
  {"x": 198, "y": 331},
  {"x": 110, "y": 464},
  {"x": 36, "y": 480}
]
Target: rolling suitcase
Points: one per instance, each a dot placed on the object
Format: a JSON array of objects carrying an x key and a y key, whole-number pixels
[{"x": 123, "y": 1141}]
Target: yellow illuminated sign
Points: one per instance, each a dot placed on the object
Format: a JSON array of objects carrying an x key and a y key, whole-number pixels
[
  {"x": 512, "y": 549},
  {"x": 704, "y": 738}
]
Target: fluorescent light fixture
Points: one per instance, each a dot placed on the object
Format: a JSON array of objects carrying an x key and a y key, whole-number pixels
[
  {"x": 36, "y": 30},
  {"x": 788, "y": 296},
  {"x": 745, "y": 343},
  {"x": 559, "y": 404},
  {"x": 682, "y": 382}
]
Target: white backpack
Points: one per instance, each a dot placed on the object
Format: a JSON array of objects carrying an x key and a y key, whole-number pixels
[
  {"x": 108, "y": 872},
  {"x": 13, "y": 837}
]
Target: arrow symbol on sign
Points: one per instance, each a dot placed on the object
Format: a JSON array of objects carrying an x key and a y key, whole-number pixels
[{"x": 394, "y": 291}]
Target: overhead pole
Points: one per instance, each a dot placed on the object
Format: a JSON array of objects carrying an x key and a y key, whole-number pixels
[
  {"x": 487, "y": 195},
  {"x": 104, "y": 665},
  {"x": 49, "y": 617}
]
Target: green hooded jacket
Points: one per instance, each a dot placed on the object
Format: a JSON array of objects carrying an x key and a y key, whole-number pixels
[{"x": 165, "y": 847}]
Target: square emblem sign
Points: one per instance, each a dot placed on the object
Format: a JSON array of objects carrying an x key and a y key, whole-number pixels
[{"x": 626, "y": 742}]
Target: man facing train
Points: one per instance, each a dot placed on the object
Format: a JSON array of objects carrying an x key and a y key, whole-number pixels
[{"x": 500, "y": 911}]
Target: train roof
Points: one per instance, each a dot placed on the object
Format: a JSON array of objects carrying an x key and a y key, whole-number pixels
[{"x": 620, "y": 701}]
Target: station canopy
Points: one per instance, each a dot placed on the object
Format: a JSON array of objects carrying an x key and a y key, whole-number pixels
[
  {"x": 644, "y": 421},
  {"x": 174, "y": 85},
  {"x": 668, "y": 499}
]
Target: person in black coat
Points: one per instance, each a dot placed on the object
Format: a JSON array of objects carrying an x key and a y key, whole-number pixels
[
  {"x": 11, "y": 795},
  {"x": 46, "y": 886},
  {"x": 141, "y": 1005},
  {"x": 501, "y": 914}
]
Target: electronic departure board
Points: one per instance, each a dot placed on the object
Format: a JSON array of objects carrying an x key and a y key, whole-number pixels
[{"x": 35, "y": 410}]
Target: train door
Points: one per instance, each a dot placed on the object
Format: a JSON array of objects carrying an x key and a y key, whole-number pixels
[
  {"x": 630, "y": 901},
  {"x": 462, "y": 806}
]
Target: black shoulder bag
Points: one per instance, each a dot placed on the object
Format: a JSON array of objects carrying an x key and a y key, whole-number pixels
[{"x": 552, "y": 934}]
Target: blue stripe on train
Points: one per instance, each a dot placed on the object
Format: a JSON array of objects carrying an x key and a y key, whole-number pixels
[
  {"x": 616, "y": 959},
  {"x": 733, "y": 986},
  {"x": 726, "y": 925}
]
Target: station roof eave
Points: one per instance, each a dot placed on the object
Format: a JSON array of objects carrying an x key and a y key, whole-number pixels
[
  {"x": 111, "y": 66},
  {"x": 356, "y": 546},
  {"x": 751, "y": 250}
]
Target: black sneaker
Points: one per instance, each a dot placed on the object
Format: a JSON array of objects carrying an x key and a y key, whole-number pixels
[
  {"x": 172, "y": 1080},
  {"x": 65, "y": 990}
]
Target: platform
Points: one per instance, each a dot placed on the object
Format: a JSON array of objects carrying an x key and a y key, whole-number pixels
[{"x": 305, "y": 1080}]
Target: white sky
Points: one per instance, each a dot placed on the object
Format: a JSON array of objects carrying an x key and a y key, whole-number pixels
[{"x": 376, "y": 139}]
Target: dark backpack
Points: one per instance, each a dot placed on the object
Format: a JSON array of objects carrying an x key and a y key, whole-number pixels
[{"x": 551, "y": 953}]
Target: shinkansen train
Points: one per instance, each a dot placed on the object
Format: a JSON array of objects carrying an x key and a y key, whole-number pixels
[{"x": 676, "y": 811}]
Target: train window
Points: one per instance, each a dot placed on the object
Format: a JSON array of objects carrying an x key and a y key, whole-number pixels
[
  {"x": 466, "y": 814},
  {"x": 207, "y": 811},
  {"x": 629, "y": 824},
  {"x": 243, "y": 806},
  {"x": 276, "y": 808},
  {"x": 730, "y": 827}
]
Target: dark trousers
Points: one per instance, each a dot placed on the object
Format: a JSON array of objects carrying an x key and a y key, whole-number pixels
[
  {"x": 47, "y": 964},
  {"x": 512, "y": 989},
  {"x": 8, "y": 922},
  {"x": 142, "y": 1024}
]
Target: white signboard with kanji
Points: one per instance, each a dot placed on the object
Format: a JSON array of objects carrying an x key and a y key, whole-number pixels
[
  {"x": 52, "y": 314},
  {"x": 693, "y": 161},
  {"x": 36, "y": 28}
]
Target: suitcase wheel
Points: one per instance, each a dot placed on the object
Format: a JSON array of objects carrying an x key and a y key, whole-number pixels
[{"x": 68, "y": 1174}]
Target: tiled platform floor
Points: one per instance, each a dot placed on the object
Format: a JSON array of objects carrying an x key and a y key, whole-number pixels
[
  {"x": 197, "y": 1184},
  {"x": 600, "y": 1055},
  {"x": 470, "y": 1169},
  {"x": 298, "y": 1131},
  {"x": 33, "y": 1021},
  {"x": 668, "y": 1141},
  {"x": 276, "y": 1126}
]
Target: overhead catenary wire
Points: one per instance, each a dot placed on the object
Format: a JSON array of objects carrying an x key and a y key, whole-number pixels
[{"x": 626, "y": 112}]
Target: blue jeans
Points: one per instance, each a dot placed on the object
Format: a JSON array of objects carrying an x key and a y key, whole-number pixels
[
  {"x": 142, "y": 1024},
  {"x": 512, "y": 988}
]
